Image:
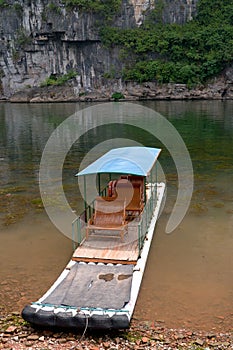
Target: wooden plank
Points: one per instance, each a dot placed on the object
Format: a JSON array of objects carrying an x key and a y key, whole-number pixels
[
  {"x": 105, "y": 261},
  {"x": 107, "y": 250},
  {"x": 109, "y": 254}
]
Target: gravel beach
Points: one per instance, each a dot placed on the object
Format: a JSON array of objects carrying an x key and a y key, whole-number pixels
[{"x": 16, "y": 334}]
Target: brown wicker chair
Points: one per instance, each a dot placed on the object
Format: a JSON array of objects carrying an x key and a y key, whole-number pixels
[
  {"x": 109, "y": 216},
  {"x": 131, "y": 190}
]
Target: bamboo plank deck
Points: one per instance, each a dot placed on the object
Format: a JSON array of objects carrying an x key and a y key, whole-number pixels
[{"x": 108, "y": 249}]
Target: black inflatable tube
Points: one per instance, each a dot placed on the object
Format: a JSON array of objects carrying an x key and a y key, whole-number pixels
[{"x": 79, "y": 321}]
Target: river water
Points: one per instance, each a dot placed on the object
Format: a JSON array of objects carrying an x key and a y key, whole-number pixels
[{"x": 188, "y": 280}]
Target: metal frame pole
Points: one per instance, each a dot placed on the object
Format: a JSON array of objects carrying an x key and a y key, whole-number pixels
[{"x": 99, "y": 185}]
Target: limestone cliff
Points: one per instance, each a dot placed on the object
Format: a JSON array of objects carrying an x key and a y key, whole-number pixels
[{"x": 39, "y": 38}]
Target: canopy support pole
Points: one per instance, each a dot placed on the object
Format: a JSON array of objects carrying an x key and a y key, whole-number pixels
[
  {"x": 98, "y": 176},
  {"x": 151, "y": 180},
  {"x": 144, "y": 189},
  {"x": 85, "y": 192}
]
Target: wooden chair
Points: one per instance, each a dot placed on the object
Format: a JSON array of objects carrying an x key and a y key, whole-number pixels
[
  {"x": 132, "y": 190},
  {"x": 109, "y": 215}
]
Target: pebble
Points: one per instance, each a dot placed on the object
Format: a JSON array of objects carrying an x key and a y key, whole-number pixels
[
  {"x": 23, "y": 335},
  {"x": 7, "y": 335},
  {"x": 28, "y": 344},
  {"x": 70, "y": 338},
  {"x": 4, "y": 340},
  {"x": 33, "y": 337},
  {"x": 145, "y": 339},
  {"x": 226, "y": 343},
  {"x": 199, "y": 342},
  {"x": 211, "y": 335},
  {"x": 141, "y": 336},
  {"x": 10, "y": 329},
  {"x": 62, "y": 340}
]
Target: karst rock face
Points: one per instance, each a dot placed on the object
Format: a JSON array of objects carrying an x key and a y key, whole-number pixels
[{"x": 39, "y": 38}]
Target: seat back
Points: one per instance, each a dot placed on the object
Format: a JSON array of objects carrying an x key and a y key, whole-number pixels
[
  {"x": 131, "y": 189},
  {"x": 109, "y": 212}
]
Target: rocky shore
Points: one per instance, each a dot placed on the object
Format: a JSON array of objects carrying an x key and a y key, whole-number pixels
[
  {"x": 16, "y": 334},
  {"x": 221, "y": 89}
]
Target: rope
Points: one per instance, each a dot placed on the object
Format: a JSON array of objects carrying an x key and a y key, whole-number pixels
[
  {"x": 84, "y": 332},
  {"x": 85, "y": 329}
]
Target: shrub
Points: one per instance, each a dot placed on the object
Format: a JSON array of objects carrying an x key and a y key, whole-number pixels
[
  {"x": 3, "y": 3},
  {"x": 191, "y": 53},
  {"x": 58, "y": 80},
  {"x": 106, "y": 8},
  {"x": 22, "y": 39},
  {"x": 117, "y": 96},
  {"x": 54, "y": 7}
]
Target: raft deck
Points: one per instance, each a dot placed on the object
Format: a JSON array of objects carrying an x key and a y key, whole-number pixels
[
  {"x": 111, "y": 250},
  {"x": 105, "y": 249},
  {"x": 85, "y": 285}
]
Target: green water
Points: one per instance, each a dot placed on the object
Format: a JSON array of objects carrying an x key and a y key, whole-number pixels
[{"x": 189, "y": 275}]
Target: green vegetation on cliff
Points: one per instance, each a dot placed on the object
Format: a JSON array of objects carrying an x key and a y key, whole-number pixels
[
  {"x": 59, "y": 80},
  {"x": 190, "y": 53},
  {"x": 106, "y": 8},
  {"x": 3, "y": 3},
  {"x": 96, "y": 5}
]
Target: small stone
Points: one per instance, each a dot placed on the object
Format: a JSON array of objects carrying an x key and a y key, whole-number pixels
[
  {"x": 199, "y": 342},
  {"x": 23, "y": 335},
  {"x": 57, "y": 335},
  {"x": 211, "y": 335},
  {"x": 33, "y": 337},
  {"x": 189, "y": 334},
  {"x": 215, "y": 344},
  {"x": 160, "y": 321},
  {"x": 225, "y": 343},
  {"x": 152, "y": 344},
  {"x": 117, "y": 340},
  {"x": 145, "y": 339},
  {"x": 15, "y": 313},
  {"x": 4, "y": 340},
  {"x": 10, "y": 329},
  {"x": 179, "y": 336},
  {"x": 4, "y": 283},
  {"x": 62, "y": 341},
  {"x": 42, "y": 338},
  {"x": 28, "y": 344},
  {"x": 106, "y": 344},
  {"x": 156, "y": 337},
  {"x": 70, "y": 338}
]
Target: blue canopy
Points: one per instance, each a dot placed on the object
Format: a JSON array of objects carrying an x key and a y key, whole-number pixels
[{"x": 125, "y": 160}]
